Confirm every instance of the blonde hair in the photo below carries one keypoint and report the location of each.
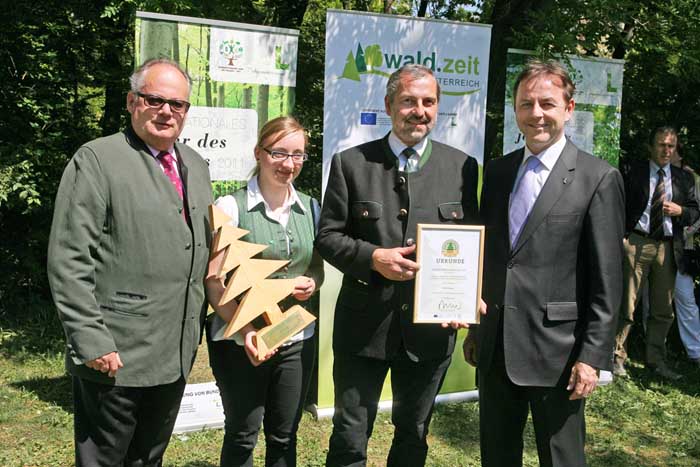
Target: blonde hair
(275, 130)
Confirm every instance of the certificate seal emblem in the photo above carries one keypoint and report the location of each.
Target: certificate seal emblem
(450, 248)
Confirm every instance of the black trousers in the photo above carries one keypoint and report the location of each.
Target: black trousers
(358, 384)
(271, 394)
(123, 426)
(560, 429)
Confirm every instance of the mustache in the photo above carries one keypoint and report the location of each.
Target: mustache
(417, 120)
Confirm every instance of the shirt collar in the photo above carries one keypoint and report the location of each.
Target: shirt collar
(397, 146)
(155, 152)
(654, 168)
(255, 196)
(549, 156)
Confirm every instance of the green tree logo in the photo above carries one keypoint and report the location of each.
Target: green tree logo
(450, 248)
(364, 61)
(231, 50)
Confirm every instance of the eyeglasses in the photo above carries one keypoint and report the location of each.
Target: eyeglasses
(281, 156)
(156, 102)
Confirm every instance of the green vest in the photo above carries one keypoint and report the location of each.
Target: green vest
(263, 230)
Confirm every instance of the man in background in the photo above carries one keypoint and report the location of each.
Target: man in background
(659, 202)
(126, 263)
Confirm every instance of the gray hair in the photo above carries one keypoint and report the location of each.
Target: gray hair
(662, 130)
(413, 72)
(138, 78)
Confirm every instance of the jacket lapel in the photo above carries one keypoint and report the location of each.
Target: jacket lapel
(182, 167)
(559, 180)
(675, 187)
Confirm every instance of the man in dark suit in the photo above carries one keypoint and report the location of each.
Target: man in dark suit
(552, 280)
(377, 193)
(660, 201)
(127, 257)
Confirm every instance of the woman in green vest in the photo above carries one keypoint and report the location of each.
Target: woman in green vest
(273, 392)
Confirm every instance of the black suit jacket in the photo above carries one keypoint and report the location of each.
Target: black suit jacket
(637, 197)
(558, 291)
(370, 204)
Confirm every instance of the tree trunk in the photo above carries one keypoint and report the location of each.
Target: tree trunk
(222, 95)
(207, 80)
(422, 8)
(263, 101)
(506, 16)
(247, 97)
(158, 40)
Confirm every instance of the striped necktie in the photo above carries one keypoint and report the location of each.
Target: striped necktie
(656, 216)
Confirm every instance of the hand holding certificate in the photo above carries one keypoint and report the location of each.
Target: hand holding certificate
(448, 283)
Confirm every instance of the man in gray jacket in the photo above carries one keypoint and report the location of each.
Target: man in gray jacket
(126, 263)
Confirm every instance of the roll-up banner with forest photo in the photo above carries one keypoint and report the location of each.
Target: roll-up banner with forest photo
(242, 76)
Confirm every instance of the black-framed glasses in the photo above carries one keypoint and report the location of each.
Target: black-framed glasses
(156, 102)
(281, 156)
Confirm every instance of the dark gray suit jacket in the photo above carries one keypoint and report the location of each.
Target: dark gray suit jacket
(558, 291)
(126, 271)
(362, 211)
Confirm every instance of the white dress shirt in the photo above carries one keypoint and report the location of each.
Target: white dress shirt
(643, 223)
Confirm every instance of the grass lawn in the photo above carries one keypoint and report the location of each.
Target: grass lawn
(640, 421)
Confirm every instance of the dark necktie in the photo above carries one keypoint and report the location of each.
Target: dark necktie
(656, 216)
(411, 159)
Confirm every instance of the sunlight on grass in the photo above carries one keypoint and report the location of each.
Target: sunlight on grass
(636, 422)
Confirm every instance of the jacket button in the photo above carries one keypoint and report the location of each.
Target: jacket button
(188, 246)
(365, 213)
(179, 210)
(404, 307)
(511, 264)
(403, 213)
(402, 180)
(410, 242)
(454, 215)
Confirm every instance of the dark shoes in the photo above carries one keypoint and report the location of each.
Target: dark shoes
(664, 372)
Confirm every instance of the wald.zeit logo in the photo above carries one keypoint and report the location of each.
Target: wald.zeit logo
(460, 73)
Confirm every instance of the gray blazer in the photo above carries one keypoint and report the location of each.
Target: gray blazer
(557, 292)
(370, 204)
(126, 271)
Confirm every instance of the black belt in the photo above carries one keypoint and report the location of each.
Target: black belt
(646, 235)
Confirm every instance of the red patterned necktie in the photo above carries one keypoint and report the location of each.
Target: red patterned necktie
(168, 163)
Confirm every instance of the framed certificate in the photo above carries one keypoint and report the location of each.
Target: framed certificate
(448, 283)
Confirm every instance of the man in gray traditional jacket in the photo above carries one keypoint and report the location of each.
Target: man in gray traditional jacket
(126, 263)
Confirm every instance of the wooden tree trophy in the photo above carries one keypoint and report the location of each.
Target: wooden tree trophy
(260, 295)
